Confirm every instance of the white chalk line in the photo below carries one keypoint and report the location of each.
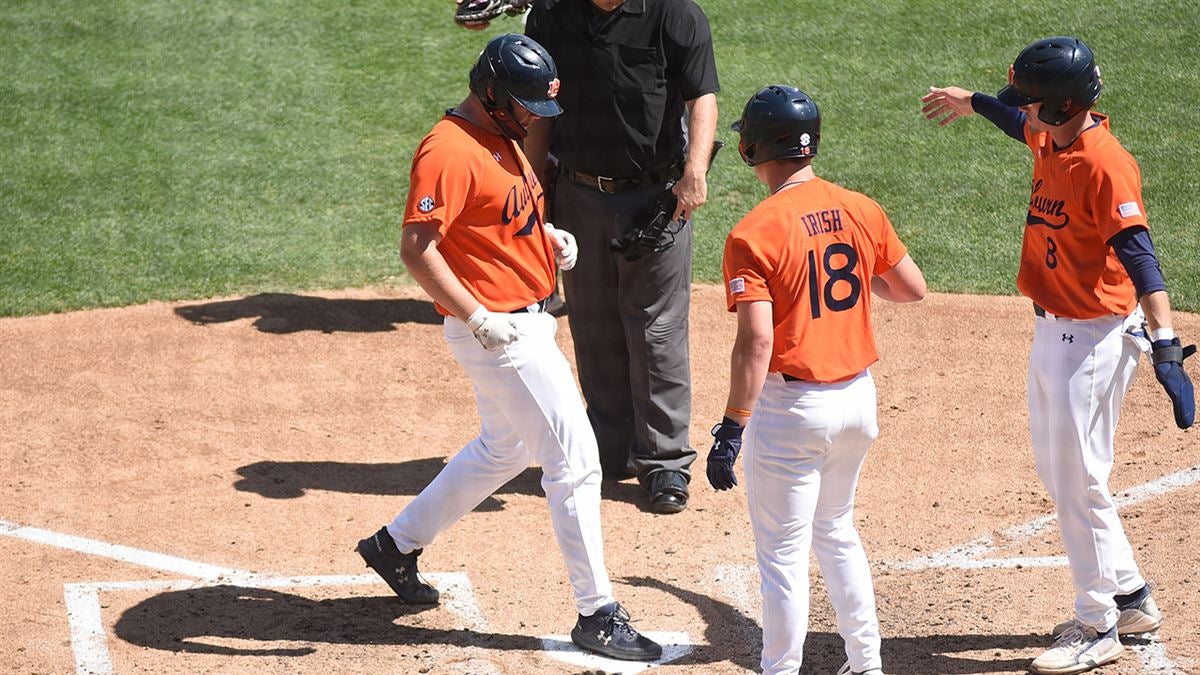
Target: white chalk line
(970, 554)
(737, 581)
(88, 637)
(89, 641)
(128, 554)
(1153, 656)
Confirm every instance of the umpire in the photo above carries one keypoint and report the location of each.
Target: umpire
(640, 112)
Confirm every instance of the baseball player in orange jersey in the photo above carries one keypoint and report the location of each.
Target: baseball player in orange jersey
(474, 240)
(1089, 266)
(800, 269)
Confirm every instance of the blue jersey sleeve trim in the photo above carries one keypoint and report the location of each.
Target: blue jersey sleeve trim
(1010, 120)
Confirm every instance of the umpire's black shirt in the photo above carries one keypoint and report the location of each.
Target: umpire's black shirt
(625, 76)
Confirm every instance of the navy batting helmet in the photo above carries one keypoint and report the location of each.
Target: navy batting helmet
(515, 70)
(1059, 72)
(778, 122)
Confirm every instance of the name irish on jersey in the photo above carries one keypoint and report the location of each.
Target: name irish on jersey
(815, 269)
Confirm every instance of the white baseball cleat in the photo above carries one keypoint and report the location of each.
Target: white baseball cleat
(1142, 616)
(845, 670)
(1079, 648)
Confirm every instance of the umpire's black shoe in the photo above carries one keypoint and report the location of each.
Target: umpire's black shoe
(608, 633)
(398, 569)
(668, 492)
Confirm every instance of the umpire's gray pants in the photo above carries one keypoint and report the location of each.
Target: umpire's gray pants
(629, 322)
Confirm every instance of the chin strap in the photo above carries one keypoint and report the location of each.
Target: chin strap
(504, 119)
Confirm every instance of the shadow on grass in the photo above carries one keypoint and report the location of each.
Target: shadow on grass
(282, 313)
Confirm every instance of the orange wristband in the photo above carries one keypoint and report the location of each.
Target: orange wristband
(739, 412)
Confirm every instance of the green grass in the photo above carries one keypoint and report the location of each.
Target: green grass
(166, 150)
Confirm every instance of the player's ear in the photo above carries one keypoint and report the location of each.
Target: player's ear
(1065, 106)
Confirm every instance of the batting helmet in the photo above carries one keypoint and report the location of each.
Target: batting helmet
(515, 70)
(778, 122)
(1059, 72)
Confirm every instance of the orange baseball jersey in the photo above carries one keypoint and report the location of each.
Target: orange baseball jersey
(811, 251)
(1082, 196)
(486, 200)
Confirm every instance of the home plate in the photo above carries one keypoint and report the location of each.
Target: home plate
(675, 646)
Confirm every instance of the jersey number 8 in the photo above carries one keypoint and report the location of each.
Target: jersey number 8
(844, 272)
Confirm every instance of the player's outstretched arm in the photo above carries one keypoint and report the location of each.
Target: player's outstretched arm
(903, 283)
(946, 104)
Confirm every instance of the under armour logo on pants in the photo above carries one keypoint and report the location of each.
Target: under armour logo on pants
(1068, 338)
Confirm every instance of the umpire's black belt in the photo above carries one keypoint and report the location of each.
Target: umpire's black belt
(609, 185)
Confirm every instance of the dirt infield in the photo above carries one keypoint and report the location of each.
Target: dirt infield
(184, 485)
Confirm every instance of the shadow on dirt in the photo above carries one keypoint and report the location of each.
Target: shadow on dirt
(240, 621)
(282, 313)
(291, 480)
(227, 620)
(737, 638)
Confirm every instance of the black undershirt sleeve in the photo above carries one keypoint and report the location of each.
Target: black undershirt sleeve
(1010, 120)
(1136, 252)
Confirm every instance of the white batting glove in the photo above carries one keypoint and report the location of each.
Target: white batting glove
(566, 251)
(492, 330)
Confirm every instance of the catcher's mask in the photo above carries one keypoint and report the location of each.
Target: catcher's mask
(1058, 72)
(778, 122)
(515, 70)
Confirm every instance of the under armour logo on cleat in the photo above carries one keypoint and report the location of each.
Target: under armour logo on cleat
(604, 638)
(1068, 338)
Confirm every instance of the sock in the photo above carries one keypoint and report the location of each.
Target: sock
(1132, 599)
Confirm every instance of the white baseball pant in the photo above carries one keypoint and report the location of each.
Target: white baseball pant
(1079, 372)
(530, 410)
(804, 447)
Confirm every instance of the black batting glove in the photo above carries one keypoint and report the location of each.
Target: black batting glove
(1168, 357)
(727, 443)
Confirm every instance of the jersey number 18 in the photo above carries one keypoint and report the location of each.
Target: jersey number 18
(844, 272)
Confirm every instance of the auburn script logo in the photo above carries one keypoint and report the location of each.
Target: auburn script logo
(1045, 210)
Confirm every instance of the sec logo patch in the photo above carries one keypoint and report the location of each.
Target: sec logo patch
(425, 205)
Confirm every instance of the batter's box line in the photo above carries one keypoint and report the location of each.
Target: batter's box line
(739, 583)
(971, 555)
(89, 641)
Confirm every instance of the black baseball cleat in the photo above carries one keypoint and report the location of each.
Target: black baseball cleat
(608, 633)
(398, 569)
